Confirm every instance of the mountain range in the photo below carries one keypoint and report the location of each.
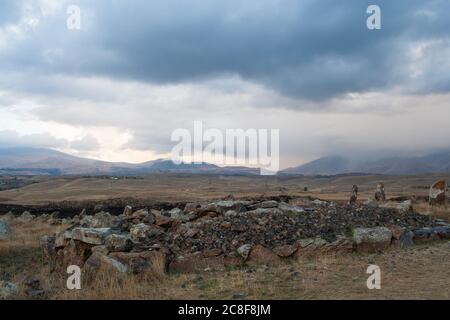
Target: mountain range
(438, 162)
(39, 161)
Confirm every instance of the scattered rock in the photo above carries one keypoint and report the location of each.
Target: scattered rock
(33, 288)
(406, 240)
(95, 236)
(5, 230)
(244, 250)
(371, 203)
(285, 251)
(98, 261)
(139, 232)
(404, 206)
(155, 261)
(262, 255)
(164, 221)
(372, 239)
(8, 290)
(117, 243)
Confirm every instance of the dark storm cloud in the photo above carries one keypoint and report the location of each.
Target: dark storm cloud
(307, 49)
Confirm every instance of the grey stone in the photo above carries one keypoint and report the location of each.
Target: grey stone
(8, 290)
(372, 239)
(98, 261)
(95, 236)
(117, 243)
(5, 230)
(139, 232)
(244, 250)
(407, 239)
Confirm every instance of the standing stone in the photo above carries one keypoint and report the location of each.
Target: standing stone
(380, 194)
(354, 196)
(437, 193)
(128, 211)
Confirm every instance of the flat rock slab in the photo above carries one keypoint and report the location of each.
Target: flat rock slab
(95, 236)
(372, 239)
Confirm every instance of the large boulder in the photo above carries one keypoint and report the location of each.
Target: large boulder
(179, 214)
(225, 205)
(8, 290)
(119, 243)
(316, 246)
(99, 261)
(262, 211)
(372, 239)
(285, 251)
(100, 220)
(165, 222)
(283, 206)
(141, 232)
(137, 262)
(5, 230)
(74, 253)
(94, 236)
(404, 206)
(262, 255)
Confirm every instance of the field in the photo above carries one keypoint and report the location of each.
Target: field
(420, 272)
(173, 187)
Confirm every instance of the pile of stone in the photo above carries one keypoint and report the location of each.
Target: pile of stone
(222, 233)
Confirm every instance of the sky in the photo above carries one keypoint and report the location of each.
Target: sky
(135, 71)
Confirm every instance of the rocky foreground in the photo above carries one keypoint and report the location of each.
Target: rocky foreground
(205, 235)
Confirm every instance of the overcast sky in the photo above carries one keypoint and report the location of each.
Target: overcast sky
(137, 70)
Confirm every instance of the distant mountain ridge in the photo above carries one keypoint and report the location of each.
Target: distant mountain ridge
(438, 162)
(37, 161)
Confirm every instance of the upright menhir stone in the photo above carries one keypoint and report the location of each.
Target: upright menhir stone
(380, 194)
(437, 193)
(354, 195)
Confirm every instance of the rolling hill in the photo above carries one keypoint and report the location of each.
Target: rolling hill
(35, 161)
(438, 162)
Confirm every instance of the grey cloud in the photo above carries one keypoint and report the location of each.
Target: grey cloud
(87, 143)
(10, 138)
(305, 49)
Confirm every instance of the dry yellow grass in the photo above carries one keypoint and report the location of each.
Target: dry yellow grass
(442, 212)
(173, 187)
(417, 273)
